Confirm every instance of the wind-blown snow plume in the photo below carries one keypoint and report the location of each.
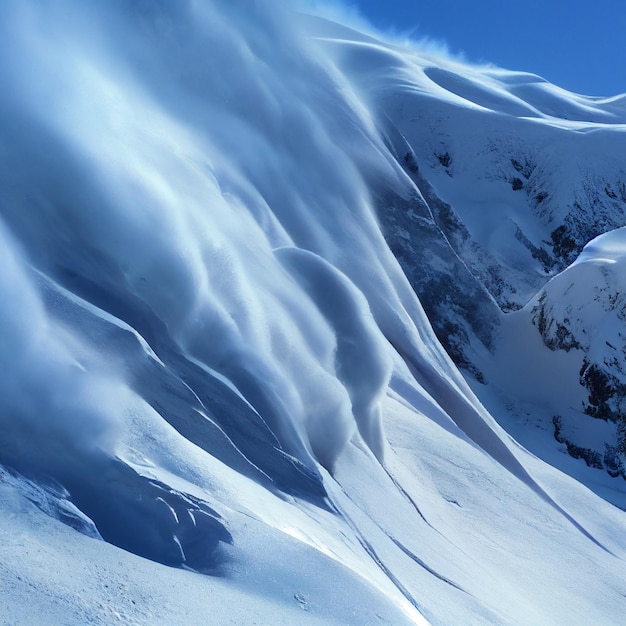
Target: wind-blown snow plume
(146, 149)
(208, 340)
(168, 163)
(57, 400)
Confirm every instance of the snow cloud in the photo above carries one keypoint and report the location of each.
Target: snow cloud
(350, 15)
(57, 403)
(162, 152)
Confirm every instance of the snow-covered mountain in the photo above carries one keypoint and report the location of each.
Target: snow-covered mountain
(510, 177)
(234, 240)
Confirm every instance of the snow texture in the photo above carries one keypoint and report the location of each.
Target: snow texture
(222, 399)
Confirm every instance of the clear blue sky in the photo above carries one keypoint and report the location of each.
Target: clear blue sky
(577, 44)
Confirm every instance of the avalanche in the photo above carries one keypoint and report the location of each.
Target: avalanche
(222, 400)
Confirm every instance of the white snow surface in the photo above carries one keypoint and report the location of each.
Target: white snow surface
(221, 400)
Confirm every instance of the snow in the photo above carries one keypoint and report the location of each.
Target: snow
(222, 401)
(542, 383)
(607, 248)
(93, 582)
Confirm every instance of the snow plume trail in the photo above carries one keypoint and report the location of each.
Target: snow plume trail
(362, 363)
(57, 401)
(161, 152)
(180, 144)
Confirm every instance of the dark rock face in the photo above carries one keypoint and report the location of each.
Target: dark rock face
(571, 323)
(428, 239)
(605, 391)
(591, 457)
(457, 305)
(555, 334)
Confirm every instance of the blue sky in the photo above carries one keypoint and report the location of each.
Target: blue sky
(577, 44)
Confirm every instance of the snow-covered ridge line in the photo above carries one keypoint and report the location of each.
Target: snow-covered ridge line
(518, 94)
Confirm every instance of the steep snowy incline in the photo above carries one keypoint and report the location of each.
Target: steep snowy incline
(514, 177)
(222, 400)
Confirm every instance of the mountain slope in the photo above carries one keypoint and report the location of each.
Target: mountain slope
(223, 399)
(510, 177)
